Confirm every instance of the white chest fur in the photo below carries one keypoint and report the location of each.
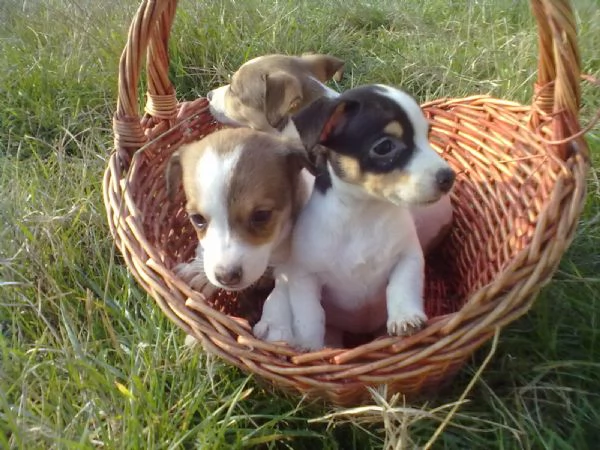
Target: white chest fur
(351, 246)
(355, 265)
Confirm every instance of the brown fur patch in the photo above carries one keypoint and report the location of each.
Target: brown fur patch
(263, 180)
(395, 129)
(325, 67)
(384, 184)
(190, 155)
(283, 92)
(379, 184)
(350, 169)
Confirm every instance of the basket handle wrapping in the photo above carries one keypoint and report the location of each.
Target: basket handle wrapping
(148, 33)
(557, 89)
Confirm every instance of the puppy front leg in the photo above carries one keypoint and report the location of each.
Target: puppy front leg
(307, 313)
(193, 274)
(406, 314)
(275, 324)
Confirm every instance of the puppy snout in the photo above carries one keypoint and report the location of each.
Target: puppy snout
(445, 179)
(229, 276)
(209, 95)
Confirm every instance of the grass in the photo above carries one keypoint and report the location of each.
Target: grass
(87, 360)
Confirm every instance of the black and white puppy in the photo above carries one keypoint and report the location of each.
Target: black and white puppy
(356, 263)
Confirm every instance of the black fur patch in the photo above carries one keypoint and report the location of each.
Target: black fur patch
(358, 132)
(370, 112)
(323, 180)
(319, 159)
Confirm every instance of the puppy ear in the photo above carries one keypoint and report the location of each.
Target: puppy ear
(324, 119)
(298, 157)
(283, 94)
(325, 67)
(173, 175)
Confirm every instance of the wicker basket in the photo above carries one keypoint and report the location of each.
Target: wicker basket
(520, 190)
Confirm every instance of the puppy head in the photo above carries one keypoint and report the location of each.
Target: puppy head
(240, 189)
(266, 90)
(375, 137)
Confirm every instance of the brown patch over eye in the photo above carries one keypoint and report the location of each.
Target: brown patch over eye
(256, 226)
(260, 218)
(395, 129)
(261, 190)
(378, 184)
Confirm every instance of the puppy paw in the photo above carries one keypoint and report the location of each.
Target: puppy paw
(406, 324)
(310, 331)
(310, 343)
(190, 341)
(308, 346)
(193, 275)
(270, 332)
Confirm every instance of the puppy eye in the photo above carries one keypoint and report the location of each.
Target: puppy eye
(199, 221)
(260, 217)
(383, 147)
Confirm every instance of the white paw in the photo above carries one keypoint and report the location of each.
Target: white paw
(310, 331)
(270, 332)
(406, 324)
(310, 345)
(310, 341)
(193, 274)
(190, 341)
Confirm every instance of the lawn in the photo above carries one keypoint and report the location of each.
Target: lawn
(87, 360)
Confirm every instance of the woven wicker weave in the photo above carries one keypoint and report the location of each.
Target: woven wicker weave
(520, 190)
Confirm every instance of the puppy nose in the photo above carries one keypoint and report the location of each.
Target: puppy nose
(445, 179)
(228, 276)
(209, 95)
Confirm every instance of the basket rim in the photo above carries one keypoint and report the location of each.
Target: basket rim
(446, 323)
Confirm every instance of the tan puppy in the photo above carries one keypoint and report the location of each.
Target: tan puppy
(265, 90)
(243, 192)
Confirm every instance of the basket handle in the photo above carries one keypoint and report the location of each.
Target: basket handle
(557, 89)
(148, 33)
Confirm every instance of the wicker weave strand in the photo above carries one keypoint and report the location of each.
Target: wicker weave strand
(162, 106)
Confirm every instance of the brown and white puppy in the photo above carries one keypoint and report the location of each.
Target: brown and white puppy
(243, 192)
(265, 90)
